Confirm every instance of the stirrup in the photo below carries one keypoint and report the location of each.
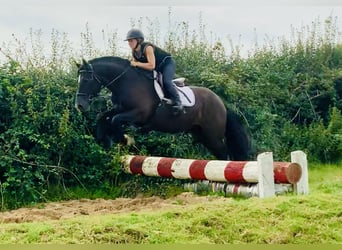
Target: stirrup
(177, 109)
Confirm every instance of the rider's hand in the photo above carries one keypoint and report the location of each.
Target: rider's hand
(134, 63)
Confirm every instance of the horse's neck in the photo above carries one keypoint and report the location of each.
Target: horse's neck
(139, 84)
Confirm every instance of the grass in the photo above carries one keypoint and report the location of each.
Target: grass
(314, 218)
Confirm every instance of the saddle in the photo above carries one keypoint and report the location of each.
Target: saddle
(187, 96)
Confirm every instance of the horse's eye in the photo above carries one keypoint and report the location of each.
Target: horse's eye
(86, 77)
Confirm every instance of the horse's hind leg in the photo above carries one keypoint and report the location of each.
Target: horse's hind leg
(216, 145)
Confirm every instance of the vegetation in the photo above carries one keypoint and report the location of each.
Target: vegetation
(289, 95)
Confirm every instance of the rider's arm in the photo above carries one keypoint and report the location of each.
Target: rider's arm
(151, 60)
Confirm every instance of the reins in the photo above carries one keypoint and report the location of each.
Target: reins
(97, 78)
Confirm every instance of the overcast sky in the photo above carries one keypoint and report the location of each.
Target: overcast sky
(243, 21)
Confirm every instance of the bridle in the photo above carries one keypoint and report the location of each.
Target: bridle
(98, 79)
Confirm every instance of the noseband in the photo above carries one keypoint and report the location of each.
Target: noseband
(98, 79)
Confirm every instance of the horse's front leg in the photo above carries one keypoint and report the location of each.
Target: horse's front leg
(103, 129)
(119, 121)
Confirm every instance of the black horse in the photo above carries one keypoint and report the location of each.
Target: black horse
(137, 103)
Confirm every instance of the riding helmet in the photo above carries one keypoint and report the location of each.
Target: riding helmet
(135, 34)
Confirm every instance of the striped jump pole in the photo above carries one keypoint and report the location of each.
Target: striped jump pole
(264, 171)
(213, 170)
(249, 190)
(231, 189)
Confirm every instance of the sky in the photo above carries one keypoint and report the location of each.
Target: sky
(244, 22)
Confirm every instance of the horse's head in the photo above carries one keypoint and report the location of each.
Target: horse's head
(88, 86)
(109, 71)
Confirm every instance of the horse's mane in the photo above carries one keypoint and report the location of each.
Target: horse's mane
(110, 59)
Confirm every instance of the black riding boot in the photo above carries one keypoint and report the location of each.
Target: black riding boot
(168, 71)
(176, 102)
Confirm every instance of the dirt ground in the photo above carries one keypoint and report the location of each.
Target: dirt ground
(69, 209)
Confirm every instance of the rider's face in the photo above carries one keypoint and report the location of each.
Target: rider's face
(132, 43)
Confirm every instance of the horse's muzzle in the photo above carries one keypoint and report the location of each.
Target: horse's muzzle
(82, 103)
(79, 108)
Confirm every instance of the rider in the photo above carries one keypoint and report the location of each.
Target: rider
(150, 57)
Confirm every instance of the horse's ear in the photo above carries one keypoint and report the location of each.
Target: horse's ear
(84, 61)
(78, 65)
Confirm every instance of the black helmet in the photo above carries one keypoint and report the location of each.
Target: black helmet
(135, 34)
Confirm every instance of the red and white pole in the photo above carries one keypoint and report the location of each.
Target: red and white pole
(213, 170)
(236, 177)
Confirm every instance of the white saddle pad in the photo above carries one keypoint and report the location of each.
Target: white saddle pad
(186, 94)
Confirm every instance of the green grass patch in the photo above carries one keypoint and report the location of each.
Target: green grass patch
(315, 218)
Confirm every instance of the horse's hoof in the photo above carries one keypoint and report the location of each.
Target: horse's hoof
(129, 140)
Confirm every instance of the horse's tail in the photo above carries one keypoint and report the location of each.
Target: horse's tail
(237, 137)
